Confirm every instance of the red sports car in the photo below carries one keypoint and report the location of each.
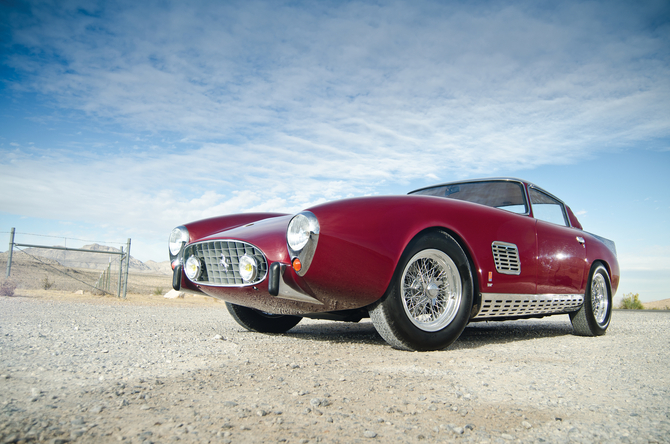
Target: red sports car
(421, 266)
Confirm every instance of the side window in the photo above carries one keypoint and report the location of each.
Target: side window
(547, 208)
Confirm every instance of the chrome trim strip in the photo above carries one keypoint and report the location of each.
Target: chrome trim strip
(286, 292)
(497, 305)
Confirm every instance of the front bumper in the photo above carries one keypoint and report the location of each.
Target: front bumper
(278, 287)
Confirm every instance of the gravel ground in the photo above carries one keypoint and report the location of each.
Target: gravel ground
(102, 370)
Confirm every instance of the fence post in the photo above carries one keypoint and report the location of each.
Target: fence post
(11, 250)
(118, 287)
(125, 284)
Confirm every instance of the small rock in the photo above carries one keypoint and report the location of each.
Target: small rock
(174, 294)
(526, 424)
(369, 434)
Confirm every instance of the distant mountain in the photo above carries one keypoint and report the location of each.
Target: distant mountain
(96, 261)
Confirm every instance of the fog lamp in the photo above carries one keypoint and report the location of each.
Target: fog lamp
(192, 268)
(248, 268)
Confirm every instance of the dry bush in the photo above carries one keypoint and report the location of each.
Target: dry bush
(7, 288)
(46, 283)
(631, 302)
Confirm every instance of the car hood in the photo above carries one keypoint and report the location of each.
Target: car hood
(267, 234)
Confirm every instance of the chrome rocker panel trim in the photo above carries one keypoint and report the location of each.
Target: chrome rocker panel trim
(496, 305)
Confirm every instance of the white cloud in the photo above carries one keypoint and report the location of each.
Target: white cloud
(252, 106)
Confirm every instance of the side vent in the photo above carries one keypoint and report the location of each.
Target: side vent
(506, 257)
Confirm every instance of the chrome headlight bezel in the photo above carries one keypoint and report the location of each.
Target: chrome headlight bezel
(302, 236)
(178, 238)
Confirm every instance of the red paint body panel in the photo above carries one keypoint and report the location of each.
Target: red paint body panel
(205, 227)
(561, 266)
(362, 239)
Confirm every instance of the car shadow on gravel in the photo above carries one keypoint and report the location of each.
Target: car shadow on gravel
(476, 334)
(479, 334)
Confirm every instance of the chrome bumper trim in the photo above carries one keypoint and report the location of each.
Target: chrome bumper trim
(286, 292)
(496, 305)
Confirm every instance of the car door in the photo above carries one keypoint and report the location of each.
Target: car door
(561, 254)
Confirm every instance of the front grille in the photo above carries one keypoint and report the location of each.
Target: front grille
(510, 305)
(506, 257)
(220, 261)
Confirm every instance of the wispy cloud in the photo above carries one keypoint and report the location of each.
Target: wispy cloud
(236, 106)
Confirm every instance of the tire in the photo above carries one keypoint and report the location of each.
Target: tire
(420, 311)
(595, 315)
(255, 320)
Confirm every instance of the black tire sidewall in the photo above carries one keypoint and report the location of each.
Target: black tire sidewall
(406, 331)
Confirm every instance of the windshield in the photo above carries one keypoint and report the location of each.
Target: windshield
(498, 194)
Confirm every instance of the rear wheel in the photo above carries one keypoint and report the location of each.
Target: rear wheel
(428, 303)
(255, 320)
(594, 316)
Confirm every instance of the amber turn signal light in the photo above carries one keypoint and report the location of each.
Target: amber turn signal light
(297, 265)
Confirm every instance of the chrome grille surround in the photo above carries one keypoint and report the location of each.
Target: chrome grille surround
(212, 255)
(510, 305)
(506, 258)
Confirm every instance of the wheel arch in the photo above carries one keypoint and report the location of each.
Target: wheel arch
(594, 264)
(474, 267)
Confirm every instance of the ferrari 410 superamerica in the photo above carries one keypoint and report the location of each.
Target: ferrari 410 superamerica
(421, 266)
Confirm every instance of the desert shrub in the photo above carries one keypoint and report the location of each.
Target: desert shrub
(631, 302)
(46, 284)
(7, 288)
(158, 291)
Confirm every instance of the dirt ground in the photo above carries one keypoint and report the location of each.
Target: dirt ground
(86, 368)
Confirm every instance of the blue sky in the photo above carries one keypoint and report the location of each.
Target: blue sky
(124, 119)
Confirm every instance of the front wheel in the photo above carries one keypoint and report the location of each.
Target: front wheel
(594, 316)
(255, 320)
(428, 303)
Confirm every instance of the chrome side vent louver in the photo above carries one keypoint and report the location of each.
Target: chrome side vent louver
(506, 257)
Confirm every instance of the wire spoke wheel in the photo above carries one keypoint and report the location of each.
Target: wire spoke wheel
(594, 316)
(431, 290)
(429, 300)
(599, 298)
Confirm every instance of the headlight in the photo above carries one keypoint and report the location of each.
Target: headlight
(302, 235)
(301, 227)
(192, 268)
(178, 237)
(248, 268)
